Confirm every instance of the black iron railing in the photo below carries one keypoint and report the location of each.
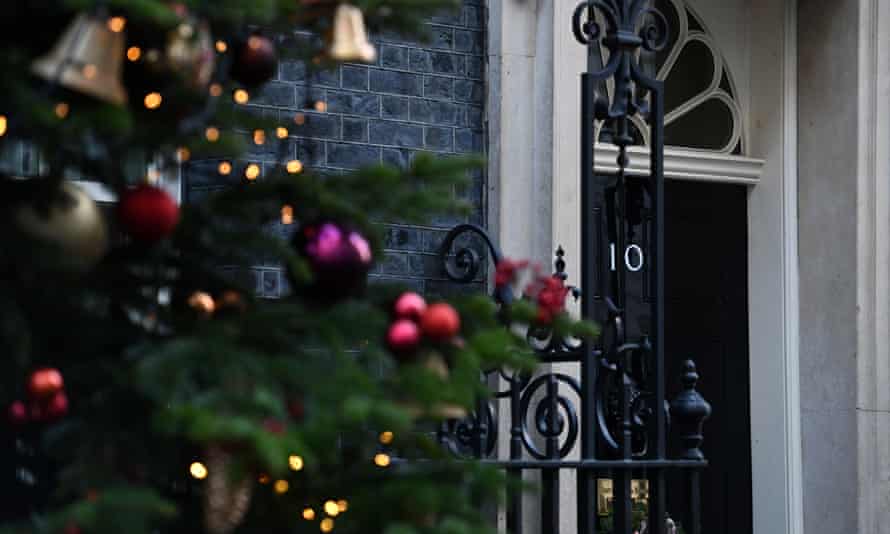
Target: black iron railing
(608, 419)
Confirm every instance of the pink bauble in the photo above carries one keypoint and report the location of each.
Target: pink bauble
(410, 306)
(44, 383)
(57, 407)
(403, 337)
(18, 413)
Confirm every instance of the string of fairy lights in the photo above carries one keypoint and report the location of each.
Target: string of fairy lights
(154, 100)
(330, 508)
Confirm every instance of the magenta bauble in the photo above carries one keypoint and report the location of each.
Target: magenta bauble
(340, 259)
(403, 337)
(410, 305)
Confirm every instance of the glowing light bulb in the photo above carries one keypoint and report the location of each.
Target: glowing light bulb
(320, 106)
(89, 71)
(241, 96)
(327, 524)
(382, 460)
(294, 461)
(225, 168)
(62, 110)
(294, 166)
(308, 514)
(198, 470)
(212, 134)
(215, 89)
(252, 172)
(259, 137)
(386, 437)
(186, 31)
(153, 100)
(281, 487)
(281, 132)
(255, 43)
(134, 53)
(202, 302)
(331, 508)
(117, 24)
(342, 505)
(221, 46)
(300, 119)
(264, 479)
(183, 154)
(4, 123)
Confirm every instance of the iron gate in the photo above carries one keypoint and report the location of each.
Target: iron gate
(608, 420)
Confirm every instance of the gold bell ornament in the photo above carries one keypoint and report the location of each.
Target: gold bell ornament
(87, 58)
(73, 225)
(349, 39)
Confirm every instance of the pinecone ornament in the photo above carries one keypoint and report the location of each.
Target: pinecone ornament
(226, 502)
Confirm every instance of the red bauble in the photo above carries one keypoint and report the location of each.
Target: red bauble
(440, 322)
(255, 61)
(44, 383)
(403, 337)
(148, 213)
(274, 426)
(410, 306)
(57, 407)
(18, 413)
(296, 409)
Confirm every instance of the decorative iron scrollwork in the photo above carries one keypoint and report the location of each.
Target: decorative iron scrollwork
(641, 400)
(547, 424)
(460, 436)
(464, 264)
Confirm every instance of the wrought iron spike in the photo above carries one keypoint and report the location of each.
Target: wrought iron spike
(560, 264)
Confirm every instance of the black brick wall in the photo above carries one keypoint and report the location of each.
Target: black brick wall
(415, 97)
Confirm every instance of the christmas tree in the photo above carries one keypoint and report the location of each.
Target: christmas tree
(148, 389)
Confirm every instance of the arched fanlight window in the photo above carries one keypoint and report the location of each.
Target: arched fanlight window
(701, 107)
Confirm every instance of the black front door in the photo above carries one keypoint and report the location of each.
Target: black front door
(706, 319)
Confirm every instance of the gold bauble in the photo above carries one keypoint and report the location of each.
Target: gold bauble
(70, 222)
